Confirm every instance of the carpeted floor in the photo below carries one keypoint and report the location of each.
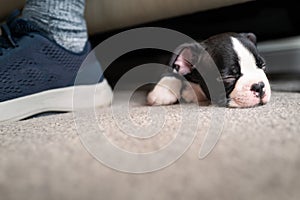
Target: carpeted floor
(257, 157)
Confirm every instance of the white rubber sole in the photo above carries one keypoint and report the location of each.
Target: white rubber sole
(56, 100)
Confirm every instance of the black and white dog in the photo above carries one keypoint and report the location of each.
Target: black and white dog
(241, 69)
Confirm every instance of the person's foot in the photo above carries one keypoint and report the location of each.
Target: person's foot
(37, 75)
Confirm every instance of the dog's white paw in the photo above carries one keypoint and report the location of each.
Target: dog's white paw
(166, 92)
(161, 95)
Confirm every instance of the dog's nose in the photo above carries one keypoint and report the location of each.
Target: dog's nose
(258, 88)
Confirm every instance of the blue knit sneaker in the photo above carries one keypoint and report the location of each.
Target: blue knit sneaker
(37, 75)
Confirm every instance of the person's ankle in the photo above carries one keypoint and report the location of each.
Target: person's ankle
(69, 36)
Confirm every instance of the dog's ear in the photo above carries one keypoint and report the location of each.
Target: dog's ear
(250, 36)
(185, 57)
(194, 62)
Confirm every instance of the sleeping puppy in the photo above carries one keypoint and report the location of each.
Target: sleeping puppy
(239, 67)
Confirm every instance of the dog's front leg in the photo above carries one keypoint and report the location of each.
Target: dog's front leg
(166, 91)
(192, 93)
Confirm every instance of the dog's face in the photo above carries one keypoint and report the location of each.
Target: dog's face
(241, 67)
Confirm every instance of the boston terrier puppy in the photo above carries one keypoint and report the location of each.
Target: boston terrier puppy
(240, 68)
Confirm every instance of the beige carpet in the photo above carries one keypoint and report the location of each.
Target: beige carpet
(257, 157)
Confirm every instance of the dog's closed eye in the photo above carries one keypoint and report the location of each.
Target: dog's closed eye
(261, 65)
(227, 79)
